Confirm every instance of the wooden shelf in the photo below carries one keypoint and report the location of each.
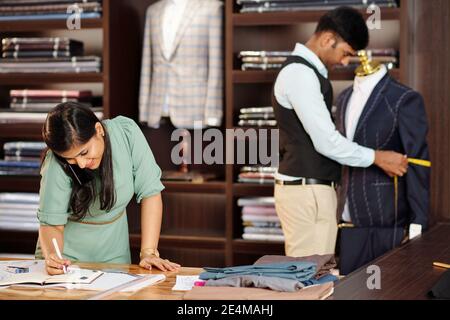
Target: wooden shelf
(269, 76)
(26, 131)
(17, 241)
(39, 78)
(183, 241)
(19, 183)
(296, 17)
(258, 247)
(39, 25)
(252, 190)
(205, 187)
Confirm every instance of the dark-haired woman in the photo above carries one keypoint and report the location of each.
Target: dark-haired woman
(88, 176)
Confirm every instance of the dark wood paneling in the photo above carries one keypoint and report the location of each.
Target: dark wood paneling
(194, 214)
(430, 76)
(287, 18)
(18, 241)
(194, 256)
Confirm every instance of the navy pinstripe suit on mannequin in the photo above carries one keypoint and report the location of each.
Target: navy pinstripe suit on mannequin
(392, 119)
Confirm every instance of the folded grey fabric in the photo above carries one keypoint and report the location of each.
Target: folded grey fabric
(296, 270)
(324, 263)
(273, 283)
(318, 292)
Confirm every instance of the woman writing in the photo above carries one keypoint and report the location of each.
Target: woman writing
(88, 176)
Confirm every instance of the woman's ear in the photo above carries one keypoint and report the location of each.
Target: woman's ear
(99, 129)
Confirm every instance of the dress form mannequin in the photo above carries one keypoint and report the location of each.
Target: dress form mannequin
(368, 74)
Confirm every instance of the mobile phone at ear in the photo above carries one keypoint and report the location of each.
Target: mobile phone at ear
(80, 176)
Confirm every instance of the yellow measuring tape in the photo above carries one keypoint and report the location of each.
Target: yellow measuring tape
(418, 162)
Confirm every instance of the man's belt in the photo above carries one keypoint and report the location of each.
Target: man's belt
(305, 181)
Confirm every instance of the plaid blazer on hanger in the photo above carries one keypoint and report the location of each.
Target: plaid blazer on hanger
(192, 77)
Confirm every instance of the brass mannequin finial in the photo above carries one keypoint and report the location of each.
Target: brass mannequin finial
(367, 66)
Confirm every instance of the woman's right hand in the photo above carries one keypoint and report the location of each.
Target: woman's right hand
(55, 265)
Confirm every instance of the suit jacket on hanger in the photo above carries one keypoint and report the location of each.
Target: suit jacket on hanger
(192, 77)
(393, 119)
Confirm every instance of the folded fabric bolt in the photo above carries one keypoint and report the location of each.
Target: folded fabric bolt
(324, 262)
(252, 281)
(296, 270)
(323, 279)
(319, 292)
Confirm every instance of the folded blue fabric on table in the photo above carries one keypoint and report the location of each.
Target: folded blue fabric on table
(297, 270)
(321, 280)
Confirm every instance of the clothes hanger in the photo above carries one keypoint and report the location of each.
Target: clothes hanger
(367, 67)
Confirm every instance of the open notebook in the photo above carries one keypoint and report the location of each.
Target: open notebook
(38, 275)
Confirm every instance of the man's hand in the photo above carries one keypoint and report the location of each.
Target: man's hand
(393, 163)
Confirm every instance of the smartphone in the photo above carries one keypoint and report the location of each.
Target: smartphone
(81, 176)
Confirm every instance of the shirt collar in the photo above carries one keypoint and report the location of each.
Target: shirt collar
(180, 3)
(304, 52)
(368, 83)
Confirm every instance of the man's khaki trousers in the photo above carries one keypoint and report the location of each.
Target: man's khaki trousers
(308, 218)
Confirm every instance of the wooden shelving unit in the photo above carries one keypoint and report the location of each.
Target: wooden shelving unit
(40, 78)
(284, 18)
(116, 85)
(42, 25)
(252, 76)
(252, 88)
(202, 223)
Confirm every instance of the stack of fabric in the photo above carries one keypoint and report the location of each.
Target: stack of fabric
(260, 219)
(266, 60)
(41, 48)
(45, 100)
(18, 211)
(263, 60)
(270, 277)
(303, 5)
(19, 168)
(257, 174)
(33, 105)
(46, 55)
(21, 158)
(259, 117)
(23, 10)
(23, 151)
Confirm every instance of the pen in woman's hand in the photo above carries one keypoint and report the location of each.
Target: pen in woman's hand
(55, 244)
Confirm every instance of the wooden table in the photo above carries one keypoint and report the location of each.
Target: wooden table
(407, 273)
(160, 291)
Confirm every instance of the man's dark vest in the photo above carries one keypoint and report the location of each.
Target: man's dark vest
(297, 154)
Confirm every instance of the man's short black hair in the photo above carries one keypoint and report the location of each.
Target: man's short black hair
(349, 24)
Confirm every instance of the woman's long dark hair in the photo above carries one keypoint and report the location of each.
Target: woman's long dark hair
(70, 124)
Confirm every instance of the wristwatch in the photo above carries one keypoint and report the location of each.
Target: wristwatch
(148, 252)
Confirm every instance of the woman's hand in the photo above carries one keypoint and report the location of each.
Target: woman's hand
(55, 265)
(161, 264)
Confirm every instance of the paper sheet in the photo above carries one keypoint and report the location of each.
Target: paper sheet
(185, 283)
